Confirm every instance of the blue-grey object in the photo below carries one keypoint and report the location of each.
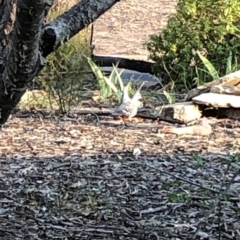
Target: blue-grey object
(136, 77)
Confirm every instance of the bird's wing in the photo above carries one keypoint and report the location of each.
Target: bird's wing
(124, 109)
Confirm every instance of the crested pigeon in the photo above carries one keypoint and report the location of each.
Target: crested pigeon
(128, 107)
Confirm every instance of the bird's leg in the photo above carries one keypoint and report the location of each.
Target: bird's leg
(133, 119)
(118, 118)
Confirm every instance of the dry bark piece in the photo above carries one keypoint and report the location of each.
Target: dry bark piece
(217, 100)
(233, 90)
(202, 128)
(184, 112)
(232, 79)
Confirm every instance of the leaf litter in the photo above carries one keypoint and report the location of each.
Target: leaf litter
(68, 178)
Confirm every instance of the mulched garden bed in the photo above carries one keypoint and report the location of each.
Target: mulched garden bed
(73, 178)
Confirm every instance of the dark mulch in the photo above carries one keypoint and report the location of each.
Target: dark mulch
(73, 178)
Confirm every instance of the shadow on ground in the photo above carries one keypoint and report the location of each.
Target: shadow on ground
(64, 179)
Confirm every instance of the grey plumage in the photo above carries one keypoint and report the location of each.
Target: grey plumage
(128, 107)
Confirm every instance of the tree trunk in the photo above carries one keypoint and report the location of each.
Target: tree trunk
(21, 54)
(24, 44)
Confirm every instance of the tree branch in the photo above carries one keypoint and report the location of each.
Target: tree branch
(71, 22)
(22, 60)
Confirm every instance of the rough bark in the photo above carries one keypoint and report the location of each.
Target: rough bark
(72, 21)
(22, 58)
(7, 18)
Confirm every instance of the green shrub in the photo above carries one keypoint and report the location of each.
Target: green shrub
(207, 26)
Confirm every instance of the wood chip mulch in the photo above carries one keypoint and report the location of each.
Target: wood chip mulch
(73, 178)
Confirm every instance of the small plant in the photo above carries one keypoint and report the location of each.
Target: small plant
(62, 77)
(178, 197)
(170, 96)
(198, 161)
(35, 99)
(112, 85)
(66, 69)
(212, 71)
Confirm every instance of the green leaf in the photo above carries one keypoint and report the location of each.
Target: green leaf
(119, 76)
(106, 92)
(113, 76)
(110, 84)
(211, 70)
(100, 77)
(105, 89)
(170, 97)
(238, 210)
(229, 63)
(173, 197)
